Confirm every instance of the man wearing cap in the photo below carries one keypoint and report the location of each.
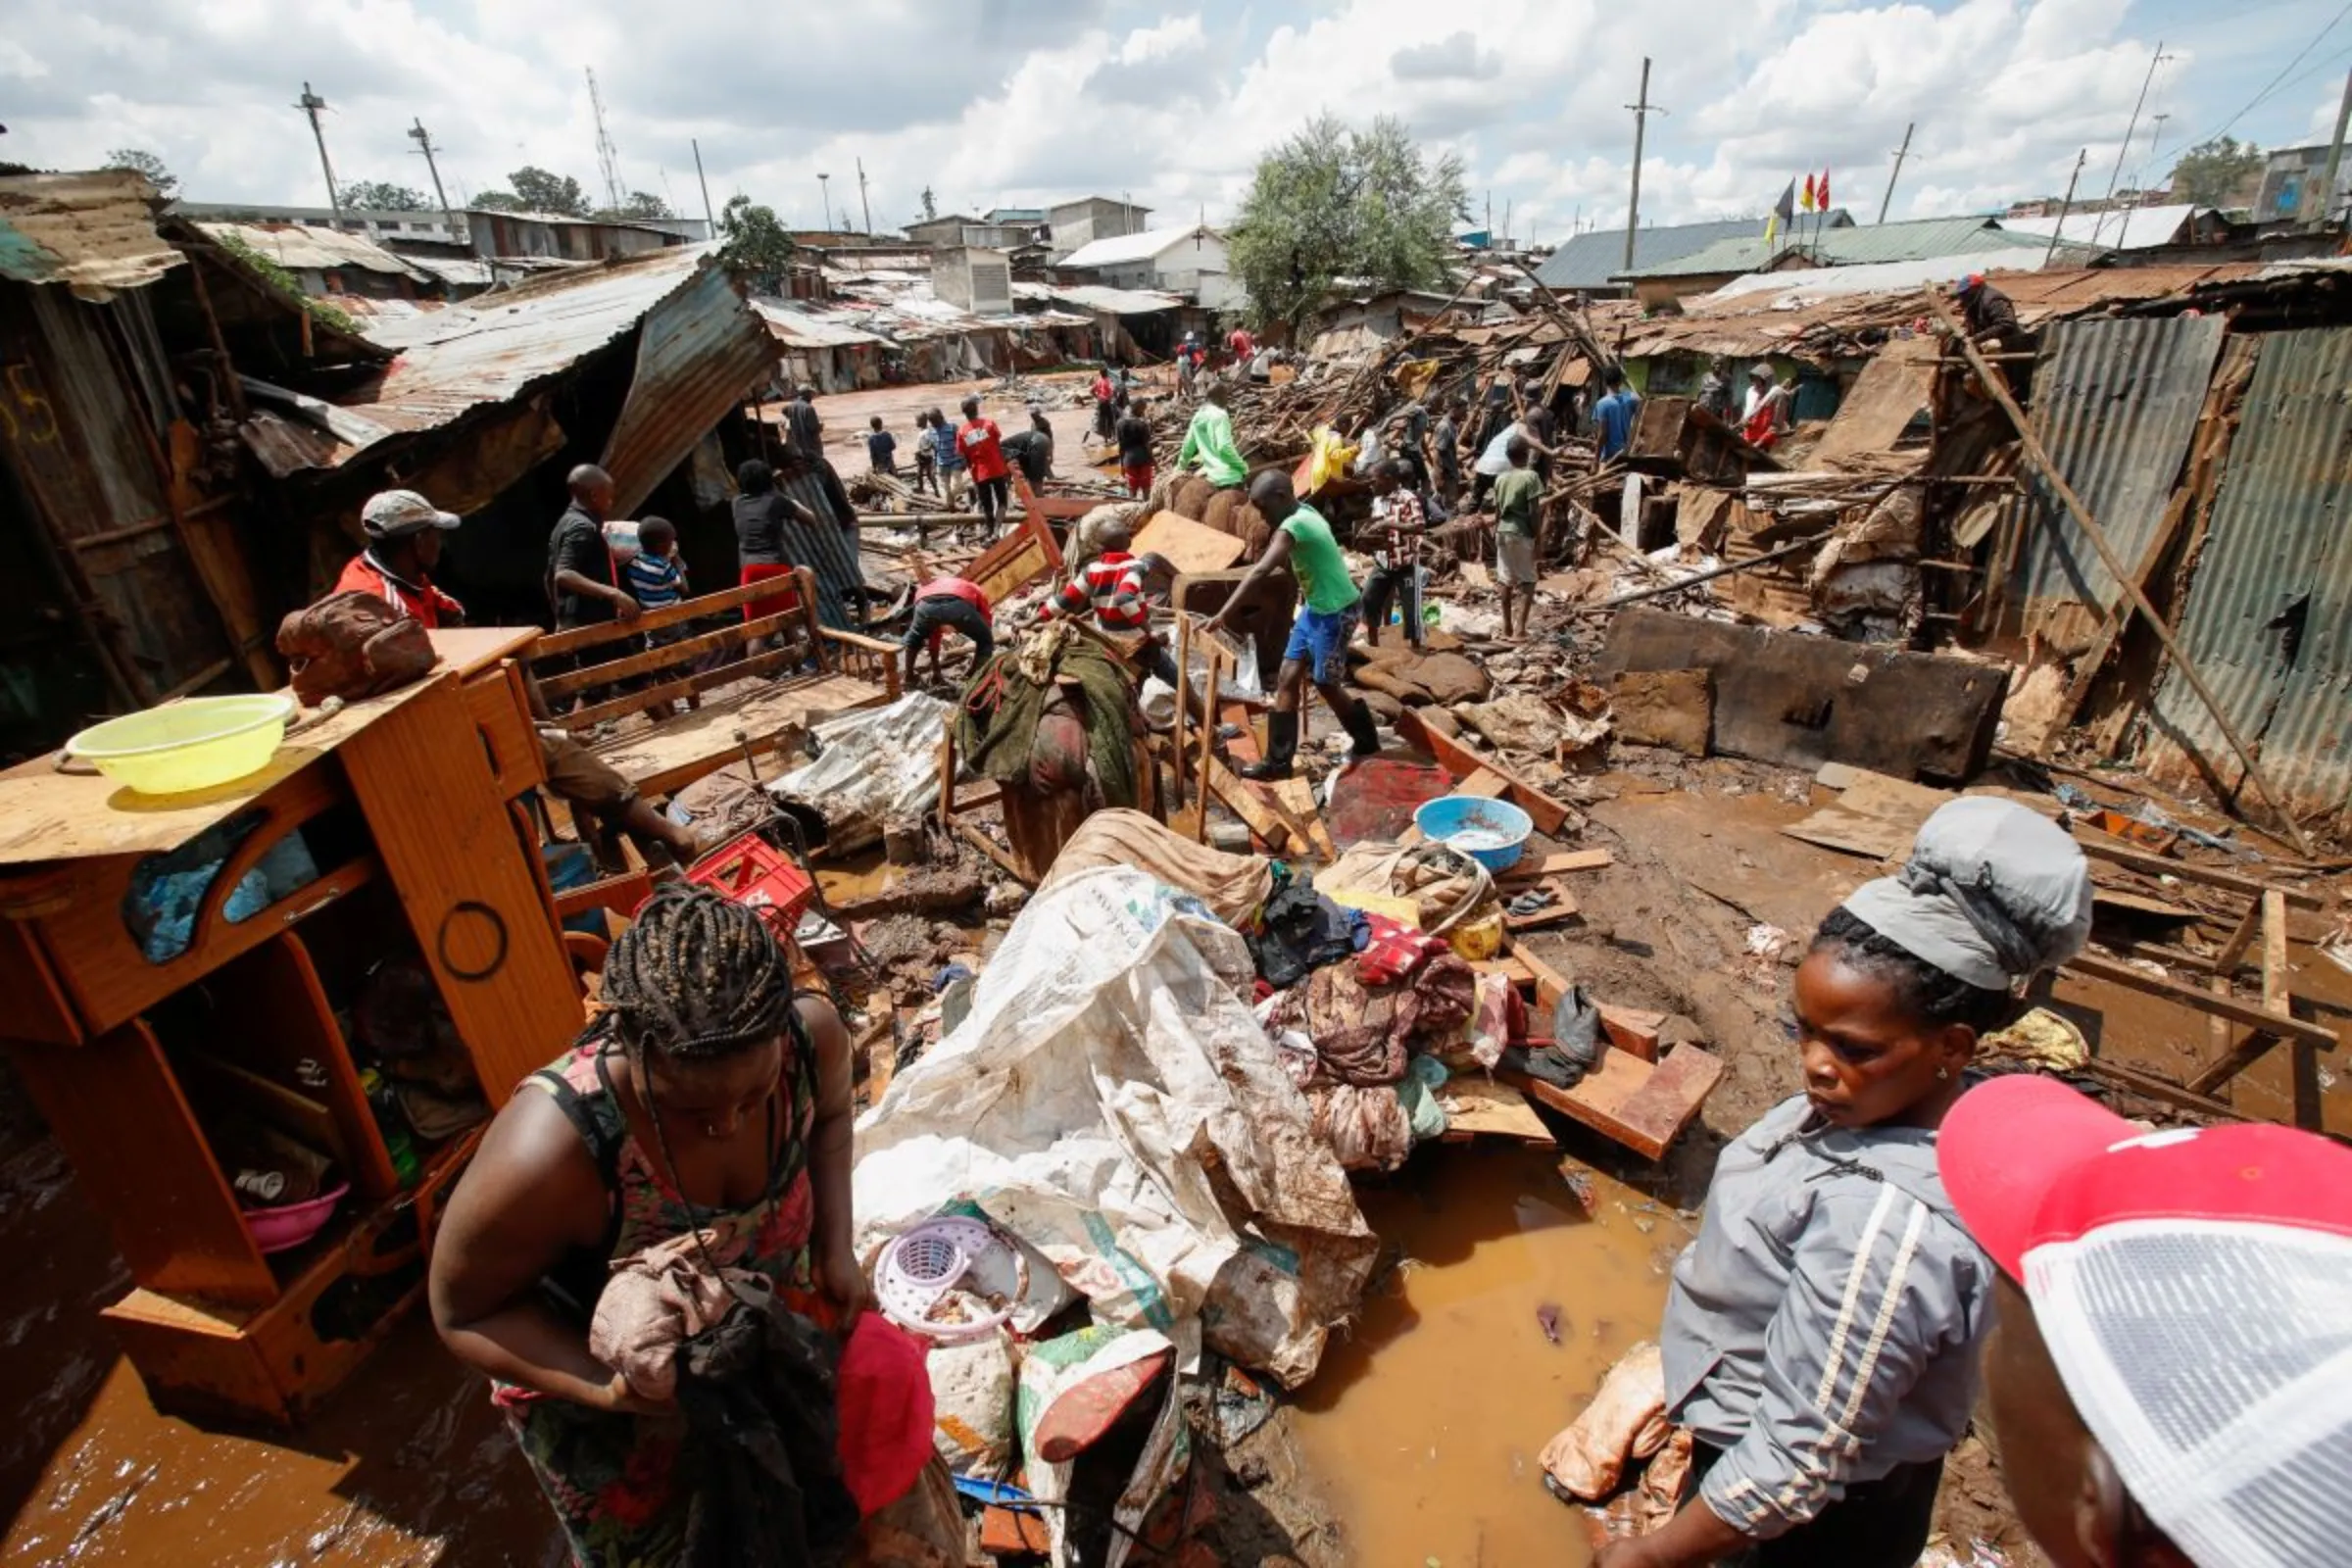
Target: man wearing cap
(2171, 1373)
(1822, 1331)
(1993, 325)
(404, 545)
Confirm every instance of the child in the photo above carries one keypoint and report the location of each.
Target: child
(1135, 447)
(926, 457)
(1518, 500)
(656, 578)
(1397, 512)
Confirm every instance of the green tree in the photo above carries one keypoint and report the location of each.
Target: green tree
(754, 244)
(542, 192)
(637, 204)
(1336, 202)
(497, 201)
(383, 196)
(139, 160)
(2213, 174)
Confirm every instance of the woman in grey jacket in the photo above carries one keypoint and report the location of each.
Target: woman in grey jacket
(1821, 1334)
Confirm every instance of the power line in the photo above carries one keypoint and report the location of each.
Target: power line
(2257, 100)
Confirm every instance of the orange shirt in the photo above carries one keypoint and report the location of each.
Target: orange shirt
(420, 601)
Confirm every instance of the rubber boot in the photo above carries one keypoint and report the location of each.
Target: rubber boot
(1281, 745)
(1363, 731)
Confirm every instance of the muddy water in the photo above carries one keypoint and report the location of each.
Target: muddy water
(1425, 1424)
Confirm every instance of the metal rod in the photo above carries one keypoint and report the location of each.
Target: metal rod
(2067, 206)
(1663, 589)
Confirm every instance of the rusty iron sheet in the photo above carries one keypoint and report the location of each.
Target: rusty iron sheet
(701, 351)
(2118, 404)
(2268, 617)
(93, 232)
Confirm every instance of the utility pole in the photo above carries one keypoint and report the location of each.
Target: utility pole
(608, 157)
(424, 145)
(1900, 153)
(2130, 131)
(2067, 206)
(2320, 208)
(825, 192)
(310, 102)
(2139, 180)
(709, 219)
(1642, 110)
(862, 207)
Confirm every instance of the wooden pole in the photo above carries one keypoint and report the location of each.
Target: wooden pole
(1997, 388)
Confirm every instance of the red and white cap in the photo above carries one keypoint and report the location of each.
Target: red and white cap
(2194, 1288)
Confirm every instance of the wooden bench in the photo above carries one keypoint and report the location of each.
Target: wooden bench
(853, 671)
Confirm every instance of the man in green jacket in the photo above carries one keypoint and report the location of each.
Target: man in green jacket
(1208, 443)
(1319, 637)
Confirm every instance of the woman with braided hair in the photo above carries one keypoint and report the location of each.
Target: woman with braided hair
(706, 1097)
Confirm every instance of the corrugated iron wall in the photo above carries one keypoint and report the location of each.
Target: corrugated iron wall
(2118, 403)
(2268, 618)
(700, 352)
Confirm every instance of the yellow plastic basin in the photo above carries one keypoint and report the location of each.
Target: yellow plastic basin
(191, 744)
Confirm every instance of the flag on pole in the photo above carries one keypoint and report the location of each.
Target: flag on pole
(1808, 201)
(1822, 199)
(1784, 211)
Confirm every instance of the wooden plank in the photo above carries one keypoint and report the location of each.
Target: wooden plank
(2091, 966)
(1560, 862)
(1549, 815)
(2278, 1000)
(1561, 909)
(1550, 984)
(1510, 966)
(287, 1018)
(1476, 1106)
(683, 652)
(143, 1163)
(307, 1120)
(2161, 1089)
(1634, 1030)
(756, 667)
(971, 834)
(1024, 555)
(1297, 796)
(572, 641)
(1189, 546)
(2104, 847)
(1258, 810)
(472, 650)
(470, 894)
(1633, 1103)
(673, 754)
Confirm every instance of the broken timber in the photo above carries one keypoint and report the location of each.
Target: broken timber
(1549, 815)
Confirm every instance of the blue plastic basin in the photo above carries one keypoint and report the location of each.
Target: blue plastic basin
(1495, 831)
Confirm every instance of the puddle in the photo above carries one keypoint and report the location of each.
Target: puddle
(1425, 1425)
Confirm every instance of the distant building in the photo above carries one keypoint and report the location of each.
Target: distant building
(974, 278)
(380, 226)
(326, 262)
(2130, 228)
(1922, 240)
(1589, 264)
(1177, 261)
(957, 229)
(1079, 223)
(2292, 172)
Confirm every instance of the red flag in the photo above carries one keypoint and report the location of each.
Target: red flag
(1808, 201)
(1823, 197)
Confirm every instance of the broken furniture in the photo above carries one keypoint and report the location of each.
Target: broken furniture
(403, 813)
(853, 671)
(1051, 508)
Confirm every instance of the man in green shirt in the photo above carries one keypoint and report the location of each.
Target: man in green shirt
(1319, 636)
(1518, 498)
(1208, 443)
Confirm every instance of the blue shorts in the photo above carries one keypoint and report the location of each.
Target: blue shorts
(1320, 639)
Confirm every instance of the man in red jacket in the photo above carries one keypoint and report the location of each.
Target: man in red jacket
(404, 545)
(982, 446)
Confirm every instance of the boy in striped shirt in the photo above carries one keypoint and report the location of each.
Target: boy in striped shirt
(655, 577)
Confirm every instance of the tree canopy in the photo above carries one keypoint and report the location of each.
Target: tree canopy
(535, 190)
(757, 245)
(637, 204)
(139, 160)
(1336, 202)
(2212, 172)
(383, 196)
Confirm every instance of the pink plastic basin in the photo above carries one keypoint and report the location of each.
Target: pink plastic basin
(289, 1225)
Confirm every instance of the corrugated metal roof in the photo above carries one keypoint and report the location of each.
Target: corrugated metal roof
(1117, 301)
(393, 323)
(1920, 240)
(806, 329)
(493, 348)
(467, 272)
(2118, 403)
(1591, 261)
(299, 248)
(1788, 290)
(1125, 248)
(2268, 618)
(2138, 229)
(700, 353)
(92, 232)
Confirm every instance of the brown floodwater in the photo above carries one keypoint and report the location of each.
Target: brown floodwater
(1425, 1424)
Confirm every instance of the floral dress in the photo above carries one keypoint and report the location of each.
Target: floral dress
(613, 1478)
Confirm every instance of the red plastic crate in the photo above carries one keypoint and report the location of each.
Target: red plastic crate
(754, 872)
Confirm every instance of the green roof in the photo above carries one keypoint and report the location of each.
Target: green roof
(1922, 240)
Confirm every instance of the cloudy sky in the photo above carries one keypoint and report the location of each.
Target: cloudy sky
(1014, 102)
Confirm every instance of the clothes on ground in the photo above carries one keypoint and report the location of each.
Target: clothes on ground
(1303, 931)
(983, 447)
(623, 1485)
(1316, 560)
(1234, 886)
(655, 581)
(1625, 1422)
(1613, 419)
(1366, 1128)
(804, 432)
(1395, 951)
(1445, 885)
(1518, 498)
(1319, 639)
(1366, 1034)
(938, 614)
(1110, 588)
(1208, 446)
(578, 545)
(1823, 1330)
(997, 727)
(882, 450)
(419, 601)
(1032, 451)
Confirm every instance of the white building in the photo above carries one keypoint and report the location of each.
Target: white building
(1079, 223)
(1176, 260)
(974, 278)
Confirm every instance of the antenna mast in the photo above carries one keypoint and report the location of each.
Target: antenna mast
(608, 157)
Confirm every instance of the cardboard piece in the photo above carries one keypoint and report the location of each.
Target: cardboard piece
(1191, 546)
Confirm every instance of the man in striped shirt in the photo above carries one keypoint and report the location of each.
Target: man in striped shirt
(1112, 588)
